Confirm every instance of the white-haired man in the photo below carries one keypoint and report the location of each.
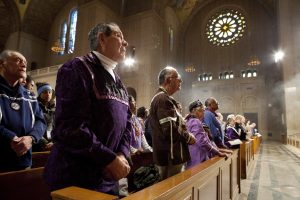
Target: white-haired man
(21, 119)
(170, 138)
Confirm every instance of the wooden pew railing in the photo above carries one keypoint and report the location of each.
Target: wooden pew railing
(247, 157)
(39, 159)
(294, 140)
(248, 150)
(216, 178)
(24, 184)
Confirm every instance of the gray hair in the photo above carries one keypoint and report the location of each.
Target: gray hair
(7, 53)
(164, 74)
(230, 117)
(93, 35)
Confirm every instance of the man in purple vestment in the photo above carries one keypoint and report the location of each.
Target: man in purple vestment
(92, 125)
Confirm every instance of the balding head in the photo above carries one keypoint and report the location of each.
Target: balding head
(170, 80)
(12, 66)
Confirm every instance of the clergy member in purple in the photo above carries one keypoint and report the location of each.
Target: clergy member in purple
(204, 149)
(92, 125)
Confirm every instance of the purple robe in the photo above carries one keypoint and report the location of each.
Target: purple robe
(203, 149)
(230, 134)
(92, 125)
(136, 138)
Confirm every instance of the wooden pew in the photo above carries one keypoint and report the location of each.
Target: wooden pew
(247, 157)
(24, 184)
(39, 159)
(80, 193)
(294, 140)
(216, 178)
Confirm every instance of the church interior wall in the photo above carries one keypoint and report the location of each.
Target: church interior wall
(289, 32)
(147, 29)
(33, 48)
(143, 31)
(258, 39)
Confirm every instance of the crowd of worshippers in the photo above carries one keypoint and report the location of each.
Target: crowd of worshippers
(92, 126)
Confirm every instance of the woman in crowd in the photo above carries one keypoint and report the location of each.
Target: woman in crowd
(204, 148)
(138, 143)
(240, 126)
(230, 131)
(46, 103)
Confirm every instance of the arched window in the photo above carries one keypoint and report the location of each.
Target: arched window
(249, 73)
(72, 30)
(205, 77)
(226, 75)
(221, 75)
(63, 36)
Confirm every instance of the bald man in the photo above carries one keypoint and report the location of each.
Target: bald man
(170, 138)
(21, 119)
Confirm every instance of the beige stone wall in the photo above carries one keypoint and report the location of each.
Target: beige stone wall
(144, 31)
(148, 32)
(30, 46)
(255, 95)
(289, 32)
(236, 96)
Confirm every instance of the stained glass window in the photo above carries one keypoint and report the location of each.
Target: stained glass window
(63, 36)
(225, 28)
(72, 34)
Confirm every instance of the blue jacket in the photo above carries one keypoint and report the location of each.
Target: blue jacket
(20, 115)
(214, 126)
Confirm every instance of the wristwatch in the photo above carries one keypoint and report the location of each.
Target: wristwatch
(33, 139)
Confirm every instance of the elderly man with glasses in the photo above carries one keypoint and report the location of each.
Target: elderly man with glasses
(170, 138)
(92, 122)
(21, 119)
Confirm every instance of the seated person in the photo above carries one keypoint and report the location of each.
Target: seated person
(46, 103)
(138, 142)
(204, 148)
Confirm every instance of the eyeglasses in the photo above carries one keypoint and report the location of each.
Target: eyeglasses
(18, 60)
(201, 108)
(176, 77)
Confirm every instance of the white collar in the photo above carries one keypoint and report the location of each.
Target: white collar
(108, 64)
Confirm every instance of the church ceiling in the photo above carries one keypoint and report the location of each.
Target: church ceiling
(39, 14)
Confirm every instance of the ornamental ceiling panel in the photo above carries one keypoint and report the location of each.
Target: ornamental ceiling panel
(40, 15)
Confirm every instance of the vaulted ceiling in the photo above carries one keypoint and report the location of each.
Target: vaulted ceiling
(40, 14)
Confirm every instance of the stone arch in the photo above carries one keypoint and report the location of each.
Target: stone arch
(9, 20)
(249, 102)
(227, 102)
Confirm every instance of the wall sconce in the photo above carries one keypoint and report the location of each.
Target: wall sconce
(254, 61)
(129, 60)
(190, 69)
(278, 56)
